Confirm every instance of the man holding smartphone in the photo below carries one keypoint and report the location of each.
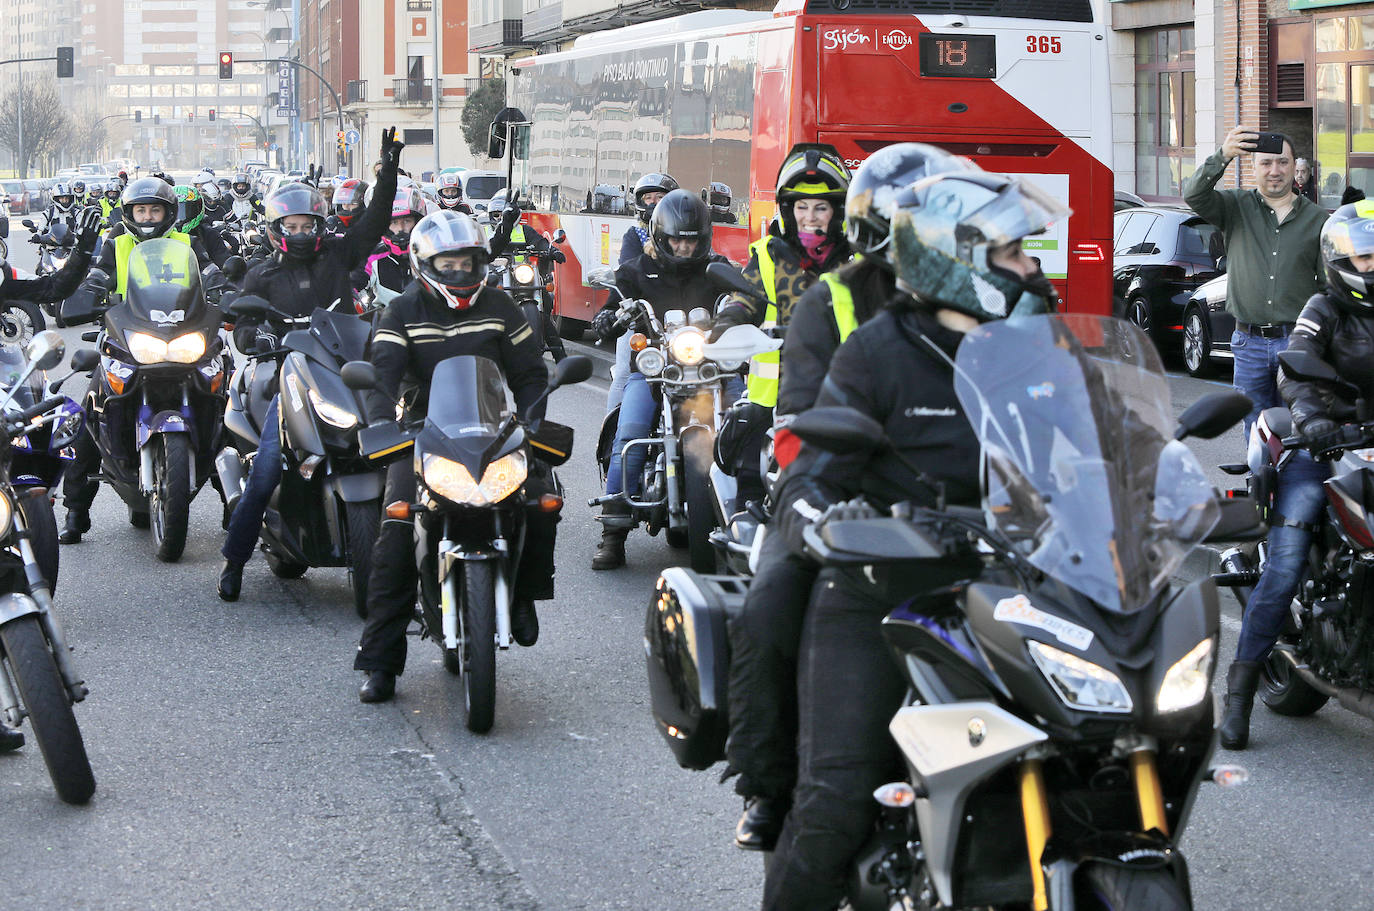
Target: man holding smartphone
(1273, 254)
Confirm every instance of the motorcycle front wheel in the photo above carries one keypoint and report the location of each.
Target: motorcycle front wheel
(49, 705)
(479, 645)
(170, 504)
(19, 322)
(1109, 888)
(362, 520)
(696, 495)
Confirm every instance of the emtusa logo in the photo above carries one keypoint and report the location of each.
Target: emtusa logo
(897, 39)
(840, 39)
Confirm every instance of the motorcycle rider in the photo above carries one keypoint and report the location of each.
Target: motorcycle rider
(191, 221)
(449, 311)
(109, 203)
(79, 191)
(348, 201)
(449, 189)
(63, 207)
(957, 255)
(720, 197)
(512, 234)
(390, 259)
(670, 275)
(1337, 326)
(309, 269)
(648, 190)
(245, 204)
(764, 634)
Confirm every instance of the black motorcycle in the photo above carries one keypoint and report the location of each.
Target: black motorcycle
(38, 678)
(158, 402)
(527, 277)
(473, 456)
(1059, 718)
(326, 510)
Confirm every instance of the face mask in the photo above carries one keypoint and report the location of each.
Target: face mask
(812, 242)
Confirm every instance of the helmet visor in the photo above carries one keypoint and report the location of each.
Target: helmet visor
(989, 207)
(1351, 234)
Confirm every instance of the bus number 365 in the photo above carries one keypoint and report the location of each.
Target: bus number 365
(1042, 44)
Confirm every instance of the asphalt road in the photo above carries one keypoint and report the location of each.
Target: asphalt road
(237, 770)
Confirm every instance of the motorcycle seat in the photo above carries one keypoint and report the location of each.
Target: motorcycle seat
(1278, 420)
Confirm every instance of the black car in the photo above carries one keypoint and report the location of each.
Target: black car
(1161, 255)
(1207, 328)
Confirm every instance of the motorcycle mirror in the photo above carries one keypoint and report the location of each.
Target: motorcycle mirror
(28, 223)
(729, 278)
(85, 360)
(603, 278)
(45, 350)
(840, 430)
(1307, 366)
(560, 236)
(250, 306)
(576, 368)
(359, 376)
(1213, 414)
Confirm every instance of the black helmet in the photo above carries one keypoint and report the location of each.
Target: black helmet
(651, 183)
(148, 191)
(1349, 232)
(680, 215)
(867, 207)
(812, 171)
(447, 231)
(295, 198)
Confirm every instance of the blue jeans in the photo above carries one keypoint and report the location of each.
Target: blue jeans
(1300, 498)
(246, 521)
(620, 372)
(637, 413)
(1256, 372)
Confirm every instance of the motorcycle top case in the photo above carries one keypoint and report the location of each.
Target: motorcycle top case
(688, 655)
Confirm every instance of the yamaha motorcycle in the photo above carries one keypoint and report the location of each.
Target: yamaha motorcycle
(38, 677)
(326, 510)
(1059, 718)
(158, 401)
(472, 460)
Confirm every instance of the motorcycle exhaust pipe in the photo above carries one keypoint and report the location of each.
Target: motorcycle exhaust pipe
(229, 467)
(1237, 573)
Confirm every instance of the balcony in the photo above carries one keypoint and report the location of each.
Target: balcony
(355, 91)
(412, 91)
(498, 37)
(419, 6)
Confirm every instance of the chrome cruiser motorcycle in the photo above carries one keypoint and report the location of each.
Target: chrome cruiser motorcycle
(1059, 717)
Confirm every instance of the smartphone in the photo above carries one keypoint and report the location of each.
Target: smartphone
(1269, 143)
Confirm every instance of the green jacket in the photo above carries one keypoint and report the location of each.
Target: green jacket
(1273, 268)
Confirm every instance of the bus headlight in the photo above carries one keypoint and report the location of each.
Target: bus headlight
(1188, 682)
(688, 347)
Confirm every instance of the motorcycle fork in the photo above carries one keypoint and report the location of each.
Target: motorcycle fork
(675, 517)
(451, 556)
(1035, 810)
(1149, 794)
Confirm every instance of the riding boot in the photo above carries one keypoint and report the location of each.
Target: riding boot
(610, 553)
(1241, 682)
(78, 523)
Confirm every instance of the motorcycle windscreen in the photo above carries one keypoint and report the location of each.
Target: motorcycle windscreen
(164, 282)
(467, 392)
(1081, 470)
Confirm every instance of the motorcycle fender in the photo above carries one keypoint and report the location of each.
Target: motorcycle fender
(15, 605)
(162, 422)
(1118, 849)
(950, 748)
(358, 488)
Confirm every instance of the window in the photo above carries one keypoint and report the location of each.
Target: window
(1131, 239)
(419, 137)
(1165, 106)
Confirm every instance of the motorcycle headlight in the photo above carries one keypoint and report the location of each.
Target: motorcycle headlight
(450, 480)
(147, 349)
(1081, 684)
(6, 515)
(688, 347)
(524, 274)
(1189, 680)
(503, 477)
(330, 413)
(186, 349)
(649, 361)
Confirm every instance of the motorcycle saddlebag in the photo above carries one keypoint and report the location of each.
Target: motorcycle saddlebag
(688, 655)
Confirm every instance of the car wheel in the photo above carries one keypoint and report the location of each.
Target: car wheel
(1138, 312)
(1197, 343)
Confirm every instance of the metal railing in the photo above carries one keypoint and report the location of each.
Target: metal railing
(412, 91)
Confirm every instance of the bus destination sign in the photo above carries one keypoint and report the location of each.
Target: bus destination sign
(970, 56)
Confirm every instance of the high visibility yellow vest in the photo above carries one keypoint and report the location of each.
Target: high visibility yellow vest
(842, 304)
(765, 368)
(124, 245)
(517, 234)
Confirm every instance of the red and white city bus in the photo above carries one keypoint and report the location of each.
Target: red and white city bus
(1019, 86)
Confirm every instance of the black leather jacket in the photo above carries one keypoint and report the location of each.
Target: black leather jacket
(665, 288)
(1344, 341)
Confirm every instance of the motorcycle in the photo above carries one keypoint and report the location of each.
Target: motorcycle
(1324, 652)
(528, 278)
(38, 678)
(326, 510)
(158, 403)
(1059, 680)
(472, 456)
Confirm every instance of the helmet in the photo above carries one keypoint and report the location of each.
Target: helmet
(190, 208)
(651, 183)
(447, 231)
(408, 202)
(209, 192)
(295, 198)
(225, 184)
(60, 191)
(348, 200)
(150, 191)
(868, 205)
(680, 215)
(1349, 232)
(719, 197)
(945, 225)
(112, 190)
(496, 205)
(241, 187)
(449, 189)
(812, 171)
(79, 187)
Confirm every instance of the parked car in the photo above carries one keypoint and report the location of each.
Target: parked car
(38, 194)
(481, 186)
(1125, 199)
(18, 196)
(1207, 328)
(1161, 255)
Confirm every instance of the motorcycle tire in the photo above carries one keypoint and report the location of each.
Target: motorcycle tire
(20, 321)
(1284, 692)
(535, 317)
(1102, 887)
(283, 568)
(362, 520)
(170, 504)
(479, 645)
(696, 496)
(49, 705)
(42, 525)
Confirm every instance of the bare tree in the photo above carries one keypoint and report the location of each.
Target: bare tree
(87, 135)
(46, 123)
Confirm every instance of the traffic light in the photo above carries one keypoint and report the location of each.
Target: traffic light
(342, 145)
(138, 116)
(190, 116)
(226, 65)
(65, 65)
(212, 115)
